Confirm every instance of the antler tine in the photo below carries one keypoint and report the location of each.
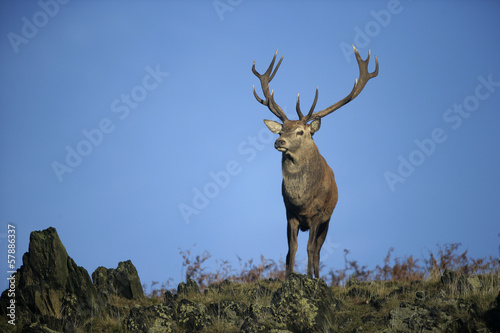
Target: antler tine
(364, 75)
(277, 66)
(264, 81)
(297, 107)
(359, 84)
(309, 114)
(260, 100)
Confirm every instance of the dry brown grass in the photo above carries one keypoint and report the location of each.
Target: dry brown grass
(410, 269)
(248, 272)
(430, 267)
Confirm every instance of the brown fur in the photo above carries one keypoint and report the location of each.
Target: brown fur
(309, 189)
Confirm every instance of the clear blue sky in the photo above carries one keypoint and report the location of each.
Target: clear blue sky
(116, 115)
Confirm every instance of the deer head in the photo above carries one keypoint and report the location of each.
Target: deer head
(294, 134)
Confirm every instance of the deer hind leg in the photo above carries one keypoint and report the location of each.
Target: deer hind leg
(292, 232)
(311, 249)
(320, 239)
(317, 236)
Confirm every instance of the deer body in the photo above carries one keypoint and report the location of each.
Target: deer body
(309, 189)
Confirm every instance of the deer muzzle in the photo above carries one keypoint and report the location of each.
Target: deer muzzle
(280, 145)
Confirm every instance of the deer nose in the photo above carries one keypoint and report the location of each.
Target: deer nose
(279, 143)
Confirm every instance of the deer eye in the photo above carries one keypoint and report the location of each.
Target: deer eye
(300, 133)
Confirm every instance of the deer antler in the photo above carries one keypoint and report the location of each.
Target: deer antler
(264, 81)
(359, 84)
(301, 116)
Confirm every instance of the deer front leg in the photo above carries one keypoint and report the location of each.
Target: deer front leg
(292, 232)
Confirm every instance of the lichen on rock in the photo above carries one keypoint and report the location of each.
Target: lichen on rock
(304, 304)
(122, 281)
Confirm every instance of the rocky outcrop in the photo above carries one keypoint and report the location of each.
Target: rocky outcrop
(305, 304)
(182, 315)
(51, 288)
(450, 308)
(122, 281)
(53, 293)
(155, 318)
(301, 304)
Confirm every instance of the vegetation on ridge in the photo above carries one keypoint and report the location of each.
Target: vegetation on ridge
(445, 292)
(447, 257)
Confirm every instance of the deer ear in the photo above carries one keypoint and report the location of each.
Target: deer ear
(273, 126)
(315, 125)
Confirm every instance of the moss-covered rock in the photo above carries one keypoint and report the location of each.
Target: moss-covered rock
(408, 318)
(53, 295)
(152, 319)
(467, 284)
(189, 288)
(258, 291)
(304, 304)
(260, 318)
(229, 311)
(192, 316)
(51, 288)
(449, 277)
(122, 281)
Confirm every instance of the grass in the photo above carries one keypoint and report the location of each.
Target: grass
(407, 269)
(370, 298)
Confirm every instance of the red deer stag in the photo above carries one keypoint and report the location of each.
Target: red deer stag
(309, 189)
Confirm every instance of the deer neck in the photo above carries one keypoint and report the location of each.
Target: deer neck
(303, 172)
(303, 166)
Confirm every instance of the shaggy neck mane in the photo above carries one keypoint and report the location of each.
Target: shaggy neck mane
(302, 171)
